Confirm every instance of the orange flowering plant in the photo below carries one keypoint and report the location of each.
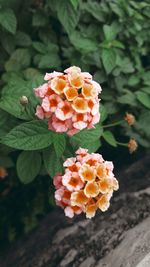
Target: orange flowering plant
(49, 122)
(87, 184)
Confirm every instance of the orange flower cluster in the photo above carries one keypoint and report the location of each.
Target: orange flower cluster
(87, 185)
(69, 101)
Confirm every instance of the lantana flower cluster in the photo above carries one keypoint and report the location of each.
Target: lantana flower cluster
(69, 100)
(87, 184)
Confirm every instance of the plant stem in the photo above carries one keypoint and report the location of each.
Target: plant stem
(113, 124)
(122, 144)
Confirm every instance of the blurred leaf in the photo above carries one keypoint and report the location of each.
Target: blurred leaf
(8, 20)
(67, 15)
(82, 43)
(109, 32)
(75, 3)
(20, 58)
(39, 19)
(28, 166)
(143, 98)
(22, 39)
(109, 59)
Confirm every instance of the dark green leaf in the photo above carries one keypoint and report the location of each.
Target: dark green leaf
(109, 59)
(28, 166)
(109, 138)
(8, 20)
(143, 98)
(52, 162)
(59, 142)
(31, 135)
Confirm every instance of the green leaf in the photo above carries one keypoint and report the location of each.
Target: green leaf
(20, 58)
(28, 166)
(11, 105)
(75, 3)
(91, 146)
(22, 39)
(39, 19)
(109, 59)
(50, 60)
(52, 162)
(109, 138)
(143, 98)
(8, 20)
(86, 136)
(95, 10)
(109, 32)
(67, 15)
(31, 135)
(128, 98)
(40, 47)
(103, 113)
(83, 43)
(59, 142)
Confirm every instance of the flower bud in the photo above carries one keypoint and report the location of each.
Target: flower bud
(130, 118)
(3, 172)
(24, 100)
(132, 145)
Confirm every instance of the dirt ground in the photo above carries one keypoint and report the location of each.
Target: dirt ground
(118, 238)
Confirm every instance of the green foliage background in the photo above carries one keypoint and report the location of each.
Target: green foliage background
(108, 38)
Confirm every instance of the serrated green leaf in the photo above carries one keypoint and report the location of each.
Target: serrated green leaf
(91, 146)
(82, 43)
(59, 142)
(12, 105)
(52, 162)
(86, 136)
(143, 98)
(109, 138)
(67, 15)
(28, 166)
(50, 60)
(33, 135)
(8, 20)
(108, 59)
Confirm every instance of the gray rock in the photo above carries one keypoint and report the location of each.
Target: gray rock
(89, 262)
(133, 251)
(70, 256)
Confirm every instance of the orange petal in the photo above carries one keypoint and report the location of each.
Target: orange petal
(78, 198)
(91, 189)
(88, 91)
(76, 80)
(103, 203)
(87, 173)
(101, 171)
(58, 85)
(80, 105)
(71, 93)
(90, 210)
(104, 186)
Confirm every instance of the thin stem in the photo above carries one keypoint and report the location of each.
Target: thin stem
(113, 124)
(122, 144)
